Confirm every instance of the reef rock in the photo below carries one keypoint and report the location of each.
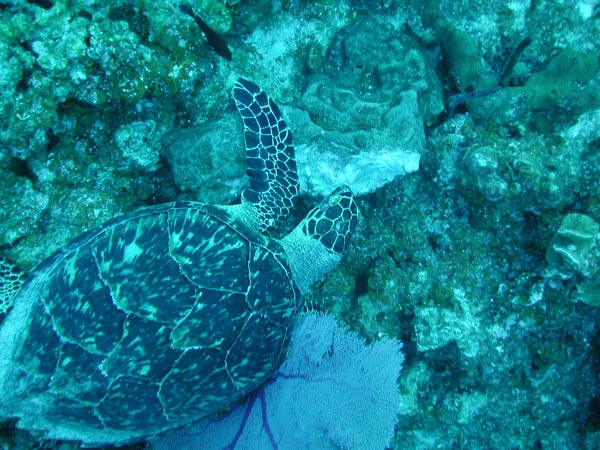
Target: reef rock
(208, 160)
(574, 253)
(342, 138)
(569, 251)
(138, 142)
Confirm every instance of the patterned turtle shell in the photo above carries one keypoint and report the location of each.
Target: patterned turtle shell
(173, 312)
(141, 326)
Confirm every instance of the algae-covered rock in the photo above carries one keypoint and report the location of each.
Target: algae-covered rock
(588, 290)
(436, 327)
(482, 161)
(139, 143)
(63, 41)
(378, 58)
(21, 209)
(464, 58)
(336, 108)
(386, 287)
(559, 92)
(169, 26)
(208, 160)
(481, 165)
(574, 253)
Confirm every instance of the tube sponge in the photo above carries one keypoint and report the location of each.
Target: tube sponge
(333, 391)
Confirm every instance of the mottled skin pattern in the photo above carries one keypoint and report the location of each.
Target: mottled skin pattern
(173, 312)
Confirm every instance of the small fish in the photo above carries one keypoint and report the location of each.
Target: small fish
(513, 60)
(214, 39)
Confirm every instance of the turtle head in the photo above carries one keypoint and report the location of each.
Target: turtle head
(333, 222)
(319, 242)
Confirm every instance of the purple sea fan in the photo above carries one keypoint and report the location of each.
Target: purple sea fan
(332, 392)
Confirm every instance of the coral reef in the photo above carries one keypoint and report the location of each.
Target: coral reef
(208, 160)
(563, 87)
(483, 262)
(481, 165)
(138, 144)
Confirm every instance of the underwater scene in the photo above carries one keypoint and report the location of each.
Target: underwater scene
(354, 224)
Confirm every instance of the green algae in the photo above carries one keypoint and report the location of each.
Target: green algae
(559, 92)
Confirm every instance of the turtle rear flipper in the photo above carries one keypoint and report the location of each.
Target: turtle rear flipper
(11, 280)
(269, 155)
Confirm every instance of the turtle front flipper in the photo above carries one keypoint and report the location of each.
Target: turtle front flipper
(269, 155)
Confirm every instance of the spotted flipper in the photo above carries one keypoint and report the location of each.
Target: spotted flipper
(269, 155)
(11, 279)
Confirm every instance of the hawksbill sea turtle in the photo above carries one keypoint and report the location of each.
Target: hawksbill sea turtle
(173, 312)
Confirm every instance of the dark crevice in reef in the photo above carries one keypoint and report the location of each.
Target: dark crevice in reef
(20, 167)
(46, 4)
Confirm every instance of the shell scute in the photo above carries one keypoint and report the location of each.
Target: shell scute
(249, 368)
(145, 351)
(215, 321)
(133, 261)
(130, 404)
(271, 288)
(80, 304)
(197, 383)
(207, 250)
(73, 378)
(73, 413)
(40, 349)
